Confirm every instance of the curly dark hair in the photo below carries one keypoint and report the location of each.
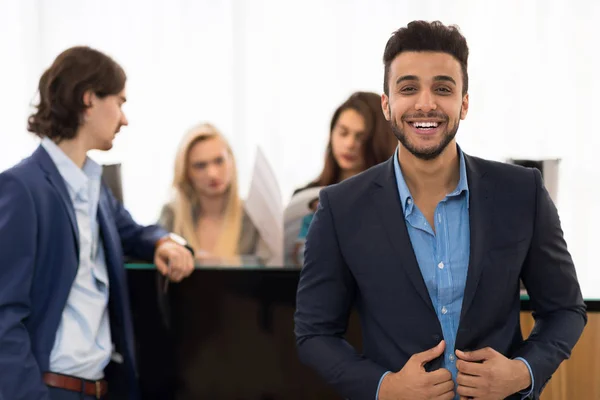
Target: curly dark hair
(427, 36)
(62, 86)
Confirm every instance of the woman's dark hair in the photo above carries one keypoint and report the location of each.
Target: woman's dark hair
(427, 36)
(312, 202)
(62, 86)
(380, 142)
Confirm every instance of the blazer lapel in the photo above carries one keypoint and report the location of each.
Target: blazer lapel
(119, 298)
(57, 181)
(387, 203)
(480, 216)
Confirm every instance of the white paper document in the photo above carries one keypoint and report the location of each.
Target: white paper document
(295, 211)
(264, 206)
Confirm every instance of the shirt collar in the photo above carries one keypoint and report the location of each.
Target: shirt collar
(404, 191)
(75, 177)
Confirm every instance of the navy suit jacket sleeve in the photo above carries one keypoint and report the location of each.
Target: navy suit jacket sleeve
(551, 282)
(20, 376)
(138, 241)
(325, 297)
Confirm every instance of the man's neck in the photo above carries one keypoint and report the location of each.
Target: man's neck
(75, 149)
(212, 207)
(436, 177)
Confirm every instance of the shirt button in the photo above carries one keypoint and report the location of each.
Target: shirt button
(444, 310)
(451, 357)
(441, 265)
(409, 201)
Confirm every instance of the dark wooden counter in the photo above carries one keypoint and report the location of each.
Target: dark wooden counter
(227, 333)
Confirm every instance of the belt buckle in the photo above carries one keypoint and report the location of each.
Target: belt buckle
(98, 385)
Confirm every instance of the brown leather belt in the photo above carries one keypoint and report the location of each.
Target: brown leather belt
(98, 389)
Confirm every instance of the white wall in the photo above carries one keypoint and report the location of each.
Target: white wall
(271, 72)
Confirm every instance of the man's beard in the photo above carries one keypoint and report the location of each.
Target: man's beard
(429, 153)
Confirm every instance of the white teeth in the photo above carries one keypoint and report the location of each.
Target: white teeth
(425, 124)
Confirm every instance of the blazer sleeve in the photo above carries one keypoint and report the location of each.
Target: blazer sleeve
(551, 282)
(20, 375)
(138, 241)
(325, 297)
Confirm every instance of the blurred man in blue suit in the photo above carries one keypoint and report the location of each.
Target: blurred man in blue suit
(430, 247)
(65, 322)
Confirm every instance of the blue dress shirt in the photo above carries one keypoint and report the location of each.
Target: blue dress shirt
(83, 344)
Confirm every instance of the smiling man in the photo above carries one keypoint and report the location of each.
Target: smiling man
(65, 324)
(430, 247)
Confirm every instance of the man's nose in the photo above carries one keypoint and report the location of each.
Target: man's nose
(425, 102)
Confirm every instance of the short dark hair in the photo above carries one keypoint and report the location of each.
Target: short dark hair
(427, 36)
(62, 86)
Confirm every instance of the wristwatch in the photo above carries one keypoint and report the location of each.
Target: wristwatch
(173, 237)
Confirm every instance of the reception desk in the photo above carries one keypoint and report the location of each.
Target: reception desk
(227, 333)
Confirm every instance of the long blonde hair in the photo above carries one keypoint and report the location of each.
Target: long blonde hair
(185, 200)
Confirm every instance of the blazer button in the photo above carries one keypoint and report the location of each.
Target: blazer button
(437, 338)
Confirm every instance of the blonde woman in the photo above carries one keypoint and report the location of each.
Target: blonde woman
(206, 208)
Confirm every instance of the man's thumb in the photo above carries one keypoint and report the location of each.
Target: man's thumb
(432, 353)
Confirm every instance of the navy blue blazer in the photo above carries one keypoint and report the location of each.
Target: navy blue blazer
(358, 254)
(39, 257)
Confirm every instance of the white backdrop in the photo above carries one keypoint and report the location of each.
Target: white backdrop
(271, 72)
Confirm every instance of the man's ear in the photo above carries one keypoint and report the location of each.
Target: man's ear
(465, 106)
(88, 102)
(88, 98)
(385, 106)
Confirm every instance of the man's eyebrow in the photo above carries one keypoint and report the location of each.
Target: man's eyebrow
(444, 78)
(437, 78)
(407, 78)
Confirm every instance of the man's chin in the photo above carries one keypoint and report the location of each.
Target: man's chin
(106, 147)
(427, 155)
(426, 152)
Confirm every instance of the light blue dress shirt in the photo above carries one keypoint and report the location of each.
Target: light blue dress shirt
(443, 255)
(83, 344)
